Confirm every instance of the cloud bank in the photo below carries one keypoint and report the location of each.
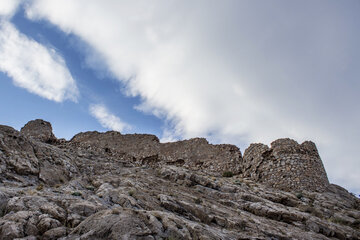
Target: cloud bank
(32, 66)
(8, 7)
(107, 119)
(235, 71)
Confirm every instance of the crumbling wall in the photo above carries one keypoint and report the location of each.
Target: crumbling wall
(195, 154)
(198, 154)
(286, 165)
(138, 145)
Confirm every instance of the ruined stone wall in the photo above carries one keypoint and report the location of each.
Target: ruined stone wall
(286, 165)
(198, 154)
(195, 154)
(138, 145)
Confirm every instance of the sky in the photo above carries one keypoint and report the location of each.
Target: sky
(233, 71)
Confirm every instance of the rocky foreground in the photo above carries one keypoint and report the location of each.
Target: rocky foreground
(88, 188)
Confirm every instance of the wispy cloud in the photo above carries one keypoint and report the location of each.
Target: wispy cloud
(107, 119)
(38, 69)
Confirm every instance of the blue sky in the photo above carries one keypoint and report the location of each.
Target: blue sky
(231, 71)
(96, 85)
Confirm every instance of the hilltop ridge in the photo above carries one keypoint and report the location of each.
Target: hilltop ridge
(93, 184)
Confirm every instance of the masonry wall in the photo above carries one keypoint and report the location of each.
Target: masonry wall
(286, 165)
(198, 154)
(195, 154)
(138, 145)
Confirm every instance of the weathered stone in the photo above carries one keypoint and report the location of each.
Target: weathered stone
(17, 153)
(46, 223)
(114, 186)
(195, 154)
(307, 171)
(10, 230)
(55, 233)
(39, 130)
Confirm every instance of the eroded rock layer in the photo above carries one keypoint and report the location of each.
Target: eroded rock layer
(114, 186)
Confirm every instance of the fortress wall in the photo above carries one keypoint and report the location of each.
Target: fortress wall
(198, 154)
(194, 154)
(287, 165)
(137, 145)
(253, 159)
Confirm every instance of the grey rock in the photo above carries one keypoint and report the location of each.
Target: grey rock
(114, 186)
(39, 130)
(55, 233)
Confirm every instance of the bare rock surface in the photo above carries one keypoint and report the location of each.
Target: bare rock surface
(114, 186)
(39, 130)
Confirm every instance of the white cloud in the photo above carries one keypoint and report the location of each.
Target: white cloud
(235, 71)
(8, 7)
(107, 119)
(32, 66)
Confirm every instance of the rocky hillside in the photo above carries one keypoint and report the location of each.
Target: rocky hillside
(114, 186)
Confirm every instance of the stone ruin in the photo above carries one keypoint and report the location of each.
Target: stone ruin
(286, 165)
(144, 149)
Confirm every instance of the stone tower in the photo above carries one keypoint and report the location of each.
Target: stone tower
(287, 165)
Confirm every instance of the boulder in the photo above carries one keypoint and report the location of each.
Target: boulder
(39, 130)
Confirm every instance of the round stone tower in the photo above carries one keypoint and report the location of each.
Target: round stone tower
(287, 165)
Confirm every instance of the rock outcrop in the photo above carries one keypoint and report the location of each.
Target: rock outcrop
(114, 186)
(39, 130)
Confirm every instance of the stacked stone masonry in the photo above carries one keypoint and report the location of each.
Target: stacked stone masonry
(287, 165)
(195, 154)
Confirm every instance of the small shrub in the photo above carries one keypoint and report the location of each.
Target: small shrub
(116, 211)
(338, 220)
(237, 182)
(299, 195)
(131, 193)
(227, 174)
(40, 187)
(31, 192)
(76, 194)
(312, 210)
(198, 200)
(90, 188)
